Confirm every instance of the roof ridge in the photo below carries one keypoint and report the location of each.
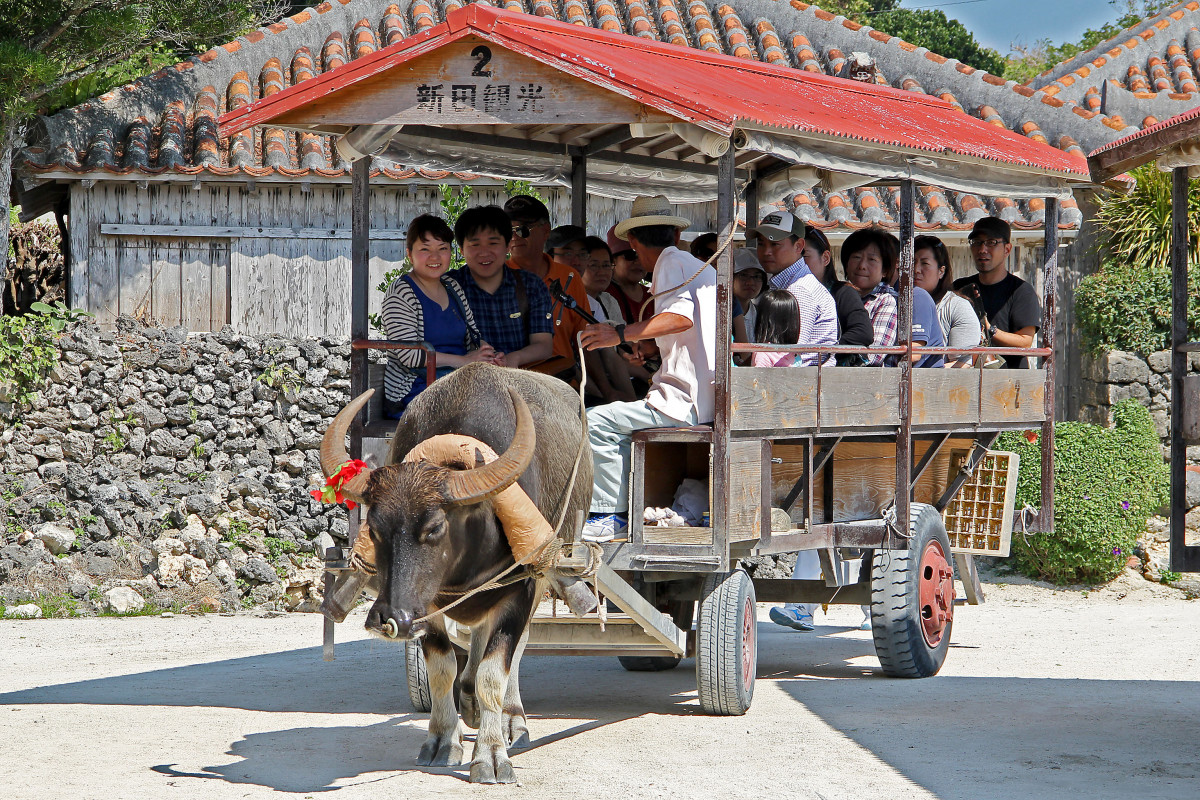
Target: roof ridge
(1124, 43)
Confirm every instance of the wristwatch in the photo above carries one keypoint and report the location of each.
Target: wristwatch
(621, 332)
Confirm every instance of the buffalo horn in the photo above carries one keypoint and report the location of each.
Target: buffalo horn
(481, 483)
(333, 448)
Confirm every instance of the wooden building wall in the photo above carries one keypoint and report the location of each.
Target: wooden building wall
(267, 258)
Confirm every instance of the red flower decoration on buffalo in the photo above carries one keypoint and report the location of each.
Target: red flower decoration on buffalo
(332, 492)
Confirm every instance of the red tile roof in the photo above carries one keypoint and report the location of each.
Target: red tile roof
(665, 76)
(99, 136)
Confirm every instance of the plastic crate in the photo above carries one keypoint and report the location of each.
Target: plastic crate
(979, 519)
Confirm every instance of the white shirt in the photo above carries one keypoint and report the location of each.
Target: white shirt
(606, 309)
(684, 382)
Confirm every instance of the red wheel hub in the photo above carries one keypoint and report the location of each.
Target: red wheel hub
(749, 644)
(936, 593)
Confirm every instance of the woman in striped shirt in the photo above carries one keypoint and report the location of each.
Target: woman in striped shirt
(427, 305)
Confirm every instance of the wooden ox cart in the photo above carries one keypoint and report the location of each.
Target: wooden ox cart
(841, 460)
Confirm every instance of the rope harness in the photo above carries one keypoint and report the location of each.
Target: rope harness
(541, 561)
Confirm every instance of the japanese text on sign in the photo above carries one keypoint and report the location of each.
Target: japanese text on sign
(435, 98)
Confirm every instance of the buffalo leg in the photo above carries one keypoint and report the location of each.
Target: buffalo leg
(512, 720)
(490, 763)
(468, 706)
(444, 745)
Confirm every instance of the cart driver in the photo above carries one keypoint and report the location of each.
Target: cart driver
(684, 328)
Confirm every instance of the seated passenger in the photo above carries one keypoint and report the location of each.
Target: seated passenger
(854, 324)
(511, 306)
(531, 230)
(606, 308)
(749, 280)
(779, 242)
(627, 286)
(704, 245)
(778, 323)
(1011, 312)
(926, 329)
(866, 260)
(566, 246)
(608, 375)
(427, 305)
(933, 273)
(684, 329)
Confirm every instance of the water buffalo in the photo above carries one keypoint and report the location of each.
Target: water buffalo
(435, 524)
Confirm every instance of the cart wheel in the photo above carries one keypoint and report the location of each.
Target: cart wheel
(682, 613)
(726, 644)
(418, 677)
(912, 599)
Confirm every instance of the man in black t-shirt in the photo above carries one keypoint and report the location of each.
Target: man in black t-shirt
(1012, 312)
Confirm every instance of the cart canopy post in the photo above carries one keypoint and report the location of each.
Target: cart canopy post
(1183, 558)
(904, 436)
(1049, 301)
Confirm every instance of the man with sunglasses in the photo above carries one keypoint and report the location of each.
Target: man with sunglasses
(531, 230)
(1011, 312)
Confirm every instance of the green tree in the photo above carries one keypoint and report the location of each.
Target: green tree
(55, 53)
(922, 27)
(1026, 62)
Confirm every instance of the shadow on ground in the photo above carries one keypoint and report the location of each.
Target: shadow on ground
(971, 738)
(959, 737)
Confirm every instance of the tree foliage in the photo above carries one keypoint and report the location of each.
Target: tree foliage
(57, 53)
(1126, 305)
(922, 27)
(1026, 62)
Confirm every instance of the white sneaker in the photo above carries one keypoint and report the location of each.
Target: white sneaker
(603, 527)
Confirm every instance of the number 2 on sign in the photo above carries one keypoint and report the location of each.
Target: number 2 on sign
(484, 57)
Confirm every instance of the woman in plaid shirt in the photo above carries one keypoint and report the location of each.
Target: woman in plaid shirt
(867, 260)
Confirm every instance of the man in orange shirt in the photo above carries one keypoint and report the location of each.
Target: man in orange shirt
(531, 229)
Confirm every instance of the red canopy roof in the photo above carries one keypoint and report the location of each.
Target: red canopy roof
(717, 92)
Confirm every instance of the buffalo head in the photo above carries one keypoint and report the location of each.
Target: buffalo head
(428, 518)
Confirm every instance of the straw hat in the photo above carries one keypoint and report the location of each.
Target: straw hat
(649, 210)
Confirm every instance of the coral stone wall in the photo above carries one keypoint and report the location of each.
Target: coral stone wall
(176, 464)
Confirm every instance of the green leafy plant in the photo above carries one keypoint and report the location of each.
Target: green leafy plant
(281, 376)
(1127, 304)
(29, 349)
(1167, 576)
(1107, 483)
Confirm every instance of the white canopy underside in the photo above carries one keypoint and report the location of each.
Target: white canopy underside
(828, 163)
(1183, 155)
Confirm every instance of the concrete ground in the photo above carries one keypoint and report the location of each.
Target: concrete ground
(1044, 695)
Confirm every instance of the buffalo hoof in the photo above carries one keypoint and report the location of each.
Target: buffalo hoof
(516, 732)
(492, 766)
(468, 709)
(441, 751)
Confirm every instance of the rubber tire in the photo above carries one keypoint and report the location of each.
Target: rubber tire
(895, 601)
(418, 677)
(683, 614)
(726, 661)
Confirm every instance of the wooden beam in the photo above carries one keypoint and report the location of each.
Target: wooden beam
(727, 201)
(579, 191)
(360, 276)
(1141, 150)
(1049, 304)
(1183, 558)
(240, 232)
(654, 622)
(904, 436)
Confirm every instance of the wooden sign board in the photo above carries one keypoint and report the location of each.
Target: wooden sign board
(471, 82)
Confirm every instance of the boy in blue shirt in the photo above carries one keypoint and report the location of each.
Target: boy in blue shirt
(511, 307)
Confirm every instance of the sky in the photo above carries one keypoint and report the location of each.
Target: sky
(998, 23)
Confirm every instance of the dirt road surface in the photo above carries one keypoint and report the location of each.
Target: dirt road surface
(1044, 695)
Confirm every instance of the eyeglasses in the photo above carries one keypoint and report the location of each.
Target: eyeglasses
(990, 244)
(523, 230)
